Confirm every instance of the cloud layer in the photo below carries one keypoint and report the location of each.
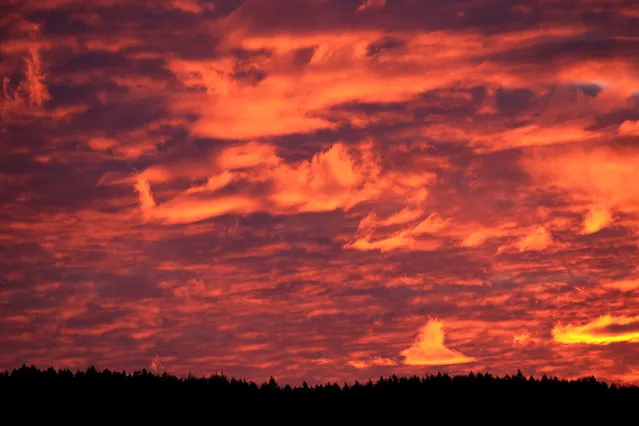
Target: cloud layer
(268, 187)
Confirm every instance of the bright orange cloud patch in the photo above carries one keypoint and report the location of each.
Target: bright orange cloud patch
(628, 285)
(429, 348)
(596, 219)
(538, 239)
(605, 330)
(629, 128)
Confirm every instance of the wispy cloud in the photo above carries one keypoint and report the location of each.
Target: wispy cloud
(604, 330)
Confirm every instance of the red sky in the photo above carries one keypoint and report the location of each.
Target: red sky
(320, 189)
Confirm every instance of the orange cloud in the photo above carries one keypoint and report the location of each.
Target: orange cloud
(403, 239)
(433, 224)
(403, 216)
(102, 144)
(629, 128)
(367, 223)
(288, 97)
(476, 238)
(34, 84)
(31, 92)
(470, 235)
(373, 362)
(394, 242)
(248, 155)
(186, 209)
(605, 330)
(623, 285)
(214, 183)
(598, 173)
(539, 239)
(601, 177)
(339, 177)
(535, 135)
(429, 348)
(596, 219)
(147, 202)
(274, 107)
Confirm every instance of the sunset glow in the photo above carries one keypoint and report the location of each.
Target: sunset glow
(320, 189)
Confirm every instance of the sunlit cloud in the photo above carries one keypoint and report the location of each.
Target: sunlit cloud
(628, 285)
(629, 128)
(600, 177)
(473, 236)
(372, 362)
(399, 240)
(599, 173)
(478, 237)
(536, 135)
(407, 238)
(332, 179)
(337, 178)
(403, 216)
(30, 91)
(596, 219)
(33, 84)
(429, 348)
(433, 224)
(102, 144)
(604, 330)
(538, 239)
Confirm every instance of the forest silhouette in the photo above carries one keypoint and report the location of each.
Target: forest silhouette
(480, 391)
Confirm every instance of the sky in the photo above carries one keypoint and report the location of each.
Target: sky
(320, 190)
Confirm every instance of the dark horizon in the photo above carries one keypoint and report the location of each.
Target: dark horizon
(104, 394)
(17, 375)
(32, 376)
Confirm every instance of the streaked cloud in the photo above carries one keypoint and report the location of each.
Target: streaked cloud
(372, 362)
(604, 330)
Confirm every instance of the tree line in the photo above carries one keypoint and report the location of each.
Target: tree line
(433, 387)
